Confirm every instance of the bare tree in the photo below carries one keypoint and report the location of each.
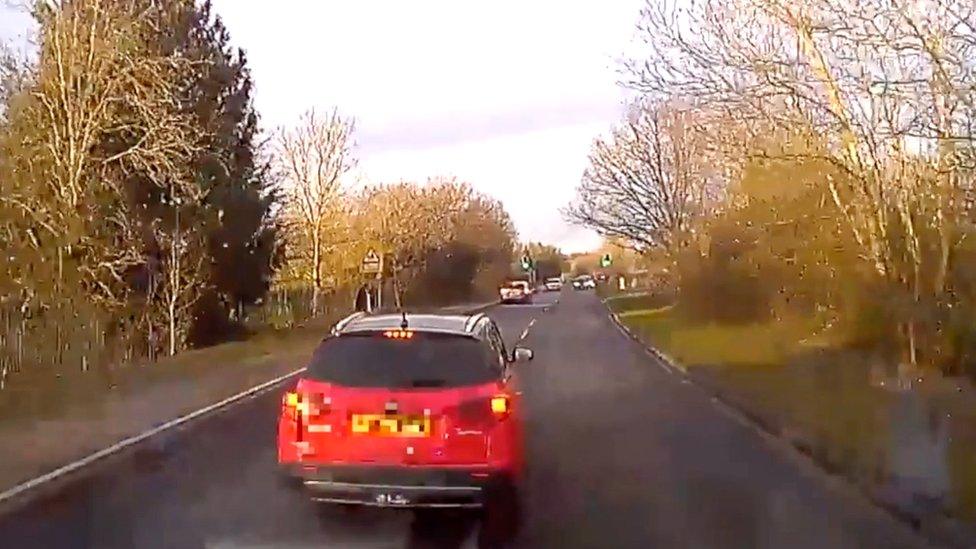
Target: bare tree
(103, 105)
(314, 157)
(407, 220)
(886, 84)
(644, 183)
(93, 80)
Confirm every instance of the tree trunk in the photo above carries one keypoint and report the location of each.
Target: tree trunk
(912, 354)
(316, 273)
(397, 290)
(174, 292)
(917, 294)
(172, 327)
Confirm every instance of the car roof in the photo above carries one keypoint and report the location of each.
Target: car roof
(446, 324)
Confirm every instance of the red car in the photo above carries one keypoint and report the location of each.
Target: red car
(404, 410)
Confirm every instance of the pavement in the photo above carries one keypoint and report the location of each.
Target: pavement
(620, 453)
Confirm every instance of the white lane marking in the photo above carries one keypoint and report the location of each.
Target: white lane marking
(525, 332)
(135, 439)
(74, 466)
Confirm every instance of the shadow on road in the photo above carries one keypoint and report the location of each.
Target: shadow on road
(431, 529)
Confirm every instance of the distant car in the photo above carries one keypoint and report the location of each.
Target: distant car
(584, 282)
(518, 291)
(407, 411)
(554, 284)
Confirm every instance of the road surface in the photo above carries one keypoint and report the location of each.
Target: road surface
(621, 454)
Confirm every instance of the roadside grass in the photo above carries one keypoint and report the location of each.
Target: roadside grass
(637, 302)
(766, 344)
(774, 373)
(47, 393)
(805, 385)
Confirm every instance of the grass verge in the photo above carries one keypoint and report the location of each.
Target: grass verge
(45, 393)
(748, 345)
(912, 450)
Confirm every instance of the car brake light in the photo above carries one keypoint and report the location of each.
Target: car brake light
(306, 404)
(484, 410)
(398, 334)
(500, 406)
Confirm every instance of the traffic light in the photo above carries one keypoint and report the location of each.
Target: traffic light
(526, 262)
(606, 261)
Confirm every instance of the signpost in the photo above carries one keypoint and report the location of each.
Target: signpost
(373, 265)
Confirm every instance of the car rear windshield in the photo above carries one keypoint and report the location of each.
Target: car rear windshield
(426, 360)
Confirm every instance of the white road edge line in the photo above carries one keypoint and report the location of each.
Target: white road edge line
(735, 415)
(661, 361)
(135, 439)
(807, 465)
(125, 443)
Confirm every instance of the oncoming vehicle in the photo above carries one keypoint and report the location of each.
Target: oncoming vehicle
(411, 411)
(517, 291)
(584, 282)
(554, 284)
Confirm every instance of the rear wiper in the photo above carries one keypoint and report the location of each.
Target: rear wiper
(427, 383)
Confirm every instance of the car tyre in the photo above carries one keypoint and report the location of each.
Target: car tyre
(501, 515)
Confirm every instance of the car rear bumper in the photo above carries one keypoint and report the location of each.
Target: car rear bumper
(392, 486)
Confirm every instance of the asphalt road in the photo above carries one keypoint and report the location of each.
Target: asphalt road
(620, 453)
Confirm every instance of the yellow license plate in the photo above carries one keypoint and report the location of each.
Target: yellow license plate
(390, 425)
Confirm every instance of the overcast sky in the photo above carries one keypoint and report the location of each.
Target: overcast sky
(504, 94)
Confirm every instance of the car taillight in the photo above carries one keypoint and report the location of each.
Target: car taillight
(501, 406)
(306, 404)
(289, 403)
(485, 410)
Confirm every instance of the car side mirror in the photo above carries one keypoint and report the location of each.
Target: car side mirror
(522, 354)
